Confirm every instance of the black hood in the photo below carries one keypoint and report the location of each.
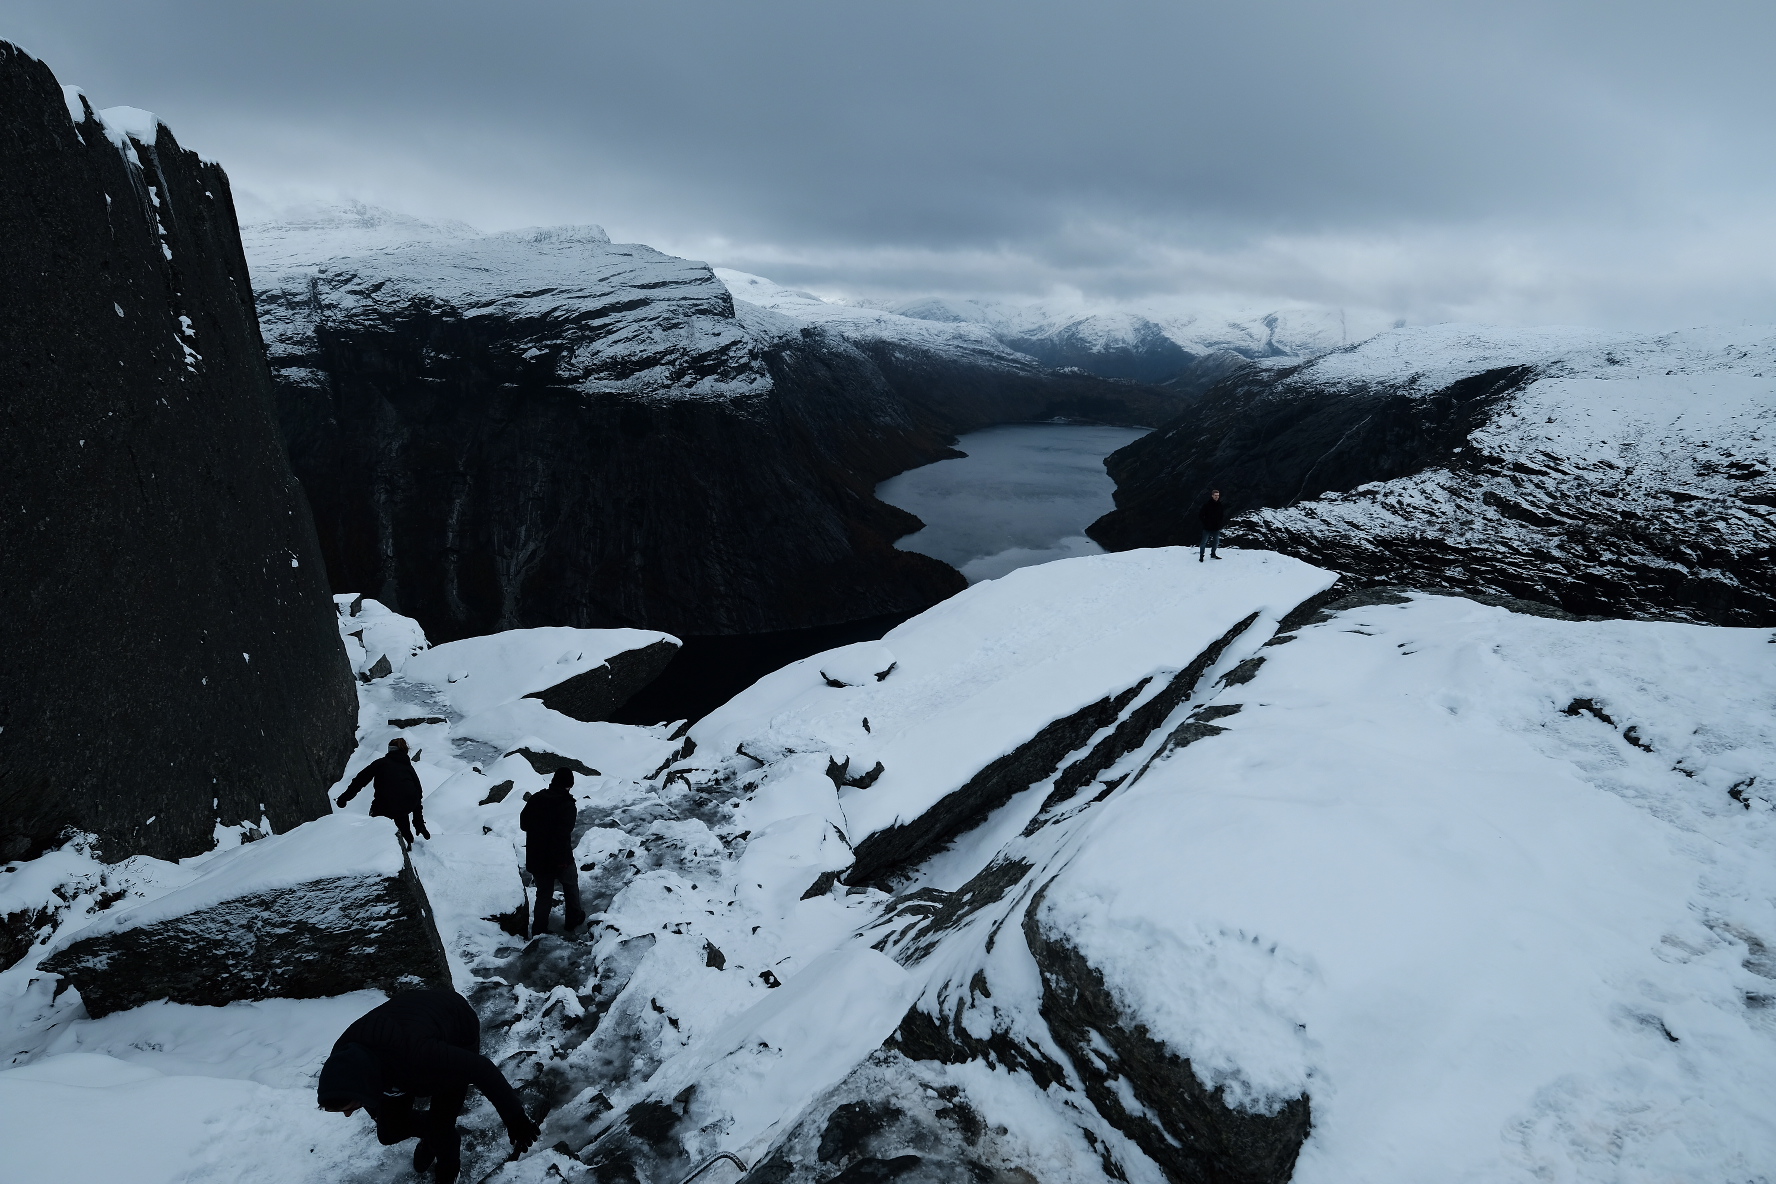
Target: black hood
(350, 1075)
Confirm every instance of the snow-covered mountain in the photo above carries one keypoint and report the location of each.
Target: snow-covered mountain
(1600, 473)
(1119, 868)
(1189, 349)
(306, 235)
(545, 427)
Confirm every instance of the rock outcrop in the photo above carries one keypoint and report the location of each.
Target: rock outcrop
(1602, 476)
(167, 656)
(330, 907)
(545, 428)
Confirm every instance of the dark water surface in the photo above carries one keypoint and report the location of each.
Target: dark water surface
(1023, 495)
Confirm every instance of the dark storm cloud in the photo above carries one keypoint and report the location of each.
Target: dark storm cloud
(1521, 160)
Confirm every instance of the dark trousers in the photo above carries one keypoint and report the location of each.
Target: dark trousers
(1211, 540)
(401, 821)
(546, 878)
(435, 1128)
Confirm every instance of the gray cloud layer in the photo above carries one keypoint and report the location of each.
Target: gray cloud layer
(1610, 162)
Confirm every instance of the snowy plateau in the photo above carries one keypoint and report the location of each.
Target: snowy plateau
(1124, 867)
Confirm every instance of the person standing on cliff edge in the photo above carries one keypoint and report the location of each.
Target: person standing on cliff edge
(398, 792)
(1212, 515)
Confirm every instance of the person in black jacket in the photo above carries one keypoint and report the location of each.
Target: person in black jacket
(548, 820)
(420, 1044)
(1212, 515)
(398, 791)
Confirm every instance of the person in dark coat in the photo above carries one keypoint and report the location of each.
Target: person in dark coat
(420, 1044)
(398, 791)
(548, 820)
(1212, 515)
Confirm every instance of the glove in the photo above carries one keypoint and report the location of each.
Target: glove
(523, 1134)
(423, 832)
(341, 802)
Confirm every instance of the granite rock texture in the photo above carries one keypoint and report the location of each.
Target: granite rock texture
(168, 661)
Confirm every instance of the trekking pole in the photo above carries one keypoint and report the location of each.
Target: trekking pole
(712, 1161)
(523, 891)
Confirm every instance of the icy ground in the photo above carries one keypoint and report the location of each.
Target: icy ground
(1495, 892)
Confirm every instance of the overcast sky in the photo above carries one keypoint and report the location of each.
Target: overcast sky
(1608, 162)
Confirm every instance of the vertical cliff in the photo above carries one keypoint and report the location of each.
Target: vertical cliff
(168, 661)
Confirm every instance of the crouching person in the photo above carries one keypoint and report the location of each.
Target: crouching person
(548, 820)
(420, 1044)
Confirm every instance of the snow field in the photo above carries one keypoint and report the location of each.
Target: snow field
(1492, 941)
(1489, 939)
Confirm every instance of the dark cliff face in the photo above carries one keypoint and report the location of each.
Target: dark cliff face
(544, 428)
(474, 497)
(1602, 477)
(1268, 440)
(168, 658)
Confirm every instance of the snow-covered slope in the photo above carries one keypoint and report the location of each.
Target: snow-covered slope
(1296, 331)
(1600, 473)
(309, 235)
(594, 316)
(1185, 347)
(1406, 887)
(865, 323)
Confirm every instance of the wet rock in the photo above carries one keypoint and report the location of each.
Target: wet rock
(598, 693)
(167, 626)
(1030, 762)
(330, 908)
(1133, 731)
(548, 762)
(1187, 1129)
(889, 1120)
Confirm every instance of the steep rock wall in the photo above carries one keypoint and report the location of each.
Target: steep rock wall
(1599, 475)
(545, 428)
(168, 660)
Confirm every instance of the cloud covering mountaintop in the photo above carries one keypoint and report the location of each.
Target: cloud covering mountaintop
(1606, 164)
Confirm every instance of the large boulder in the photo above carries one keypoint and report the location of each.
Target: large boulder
(168, 662)
(583, 673)
(331, 907)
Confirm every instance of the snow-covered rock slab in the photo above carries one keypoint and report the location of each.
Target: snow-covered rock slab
(1476, 894)
(984, 695)
(330, 907)
(583, 673)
